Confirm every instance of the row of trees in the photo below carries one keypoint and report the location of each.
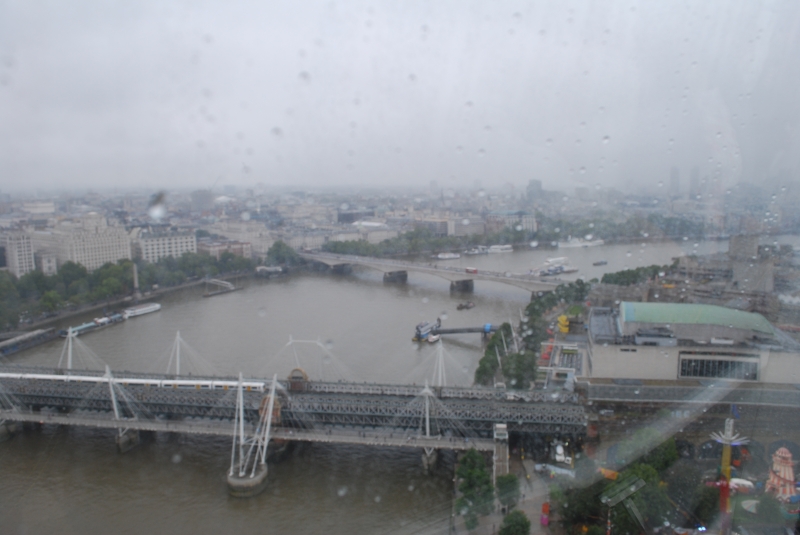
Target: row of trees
(519, 367)
(36, 294)
(634, 276)
(422, 240)
(478, 494)
(534, 324)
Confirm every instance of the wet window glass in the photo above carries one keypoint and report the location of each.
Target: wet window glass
(516, 267)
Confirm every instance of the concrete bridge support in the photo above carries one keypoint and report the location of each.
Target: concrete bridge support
(429, 458)
(8, 430)
(467, 286)
(342, 269)
(127, 440)
(245, 486)
(399, 277)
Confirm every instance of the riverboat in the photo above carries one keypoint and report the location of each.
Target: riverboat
(480, 249)
(501, 249)
(579, 242)
(557, 270)
(600, 263)
(465, 306)
(448, 256)
(140, 310)
(97, 323)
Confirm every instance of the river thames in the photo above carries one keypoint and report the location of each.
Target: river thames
(72, 480)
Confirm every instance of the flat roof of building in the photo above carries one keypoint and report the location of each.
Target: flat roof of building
(667, 313)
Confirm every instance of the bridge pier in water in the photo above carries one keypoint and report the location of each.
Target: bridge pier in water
(466, 286)
(8, 430)
(127, 440)
(398, 277)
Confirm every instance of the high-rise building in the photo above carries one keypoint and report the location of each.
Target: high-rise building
(89, 241)
(19, 253)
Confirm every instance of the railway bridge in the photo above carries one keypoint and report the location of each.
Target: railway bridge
(257, 411)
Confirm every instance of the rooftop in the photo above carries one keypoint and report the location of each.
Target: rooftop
(683, 313)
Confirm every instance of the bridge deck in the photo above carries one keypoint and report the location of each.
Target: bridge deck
(451, 273)
(377, 437)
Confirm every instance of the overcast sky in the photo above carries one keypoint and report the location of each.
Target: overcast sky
(192, 94)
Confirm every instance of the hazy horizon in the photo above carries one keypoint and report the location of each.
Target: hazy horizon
(360, 94)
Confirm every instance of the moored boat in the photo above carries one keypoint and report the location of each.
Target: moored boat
(139, 310)
(501, 249)
(448, 256)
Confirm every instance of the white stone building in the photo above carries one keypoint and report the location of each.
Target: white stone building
(153, 245)
(89, 241)
(19, 253)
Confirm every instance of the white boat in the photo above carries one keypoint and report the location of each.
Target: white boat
(432, 338)
(534, 244)
(501, 249)
(448, 256)
(557, 261)
(579, 242)
(139, 310)
(480, 249)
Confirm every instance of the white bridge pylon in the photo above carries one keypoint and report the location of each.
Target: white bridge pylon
(259, 441)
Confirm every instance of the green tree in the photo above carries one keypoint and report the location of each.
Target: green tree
(508, 492)
(648, 446)
(281, 254)
(50, 301)
(515, 523)
(9, 301)
(476, 485)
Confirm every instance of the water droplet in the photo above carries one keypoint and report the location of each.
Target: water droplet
(304, 76)
(628, 254)
(597, 186)
(377, 499)
(411, 488)
(468, 104)
(671, 141)
(177, 458)
(719, 135)
(342, 491)
(245, 216)
(660, 184)
(583, 124)
(548, 142)
(518, 228)
(412, 77)
(157, 211)
(582, 170)
(459, 149)
(465, 222)
(262, 312)
(606, 139)
(344, 206)
(425, 299)
(481, 152)
(577, 141)
(686, 238)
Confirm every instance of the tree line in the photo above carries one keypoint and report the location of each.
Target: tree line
(35, 294)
